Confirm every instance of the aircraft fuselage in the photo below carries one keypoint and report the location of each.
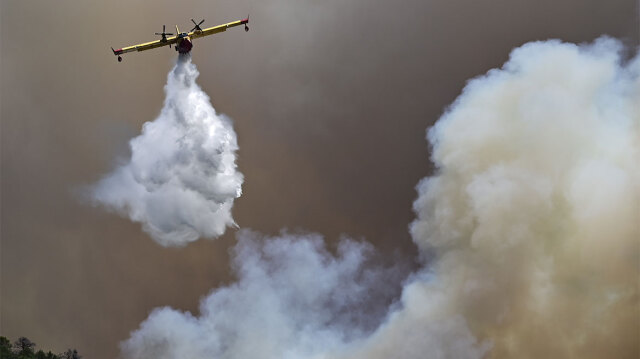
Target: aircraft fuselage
(182, 41)
(184, 44)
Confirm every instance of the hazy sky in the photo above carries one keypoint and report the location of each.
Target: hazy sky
(330, 101)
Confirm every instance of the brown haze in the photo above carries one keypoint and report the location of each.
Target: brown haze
(330, 100)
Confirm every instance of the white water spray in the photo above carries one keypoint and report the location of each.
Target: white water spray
(181, 180)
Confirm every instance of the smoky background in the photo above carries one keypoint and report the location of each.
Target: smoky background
(330, 101)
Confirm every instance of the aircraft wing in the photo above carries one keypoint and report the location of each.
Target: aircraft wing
(217, 29)
(146, 45)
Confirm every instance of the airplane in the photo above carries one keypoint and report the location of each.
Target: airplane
(182, 41)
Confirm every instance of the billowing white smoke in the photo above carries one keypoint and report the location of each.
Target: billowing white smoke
(293, 299)
(533, 218)
(534, 214)
(181, 180)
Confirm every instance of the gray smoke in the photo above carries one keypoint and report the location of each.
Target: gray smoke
(181, 180)
(535, 211)
(533, 221)
(293, 299)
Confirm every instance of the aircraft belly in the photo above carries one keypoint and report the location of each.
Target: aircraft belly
(184, 46)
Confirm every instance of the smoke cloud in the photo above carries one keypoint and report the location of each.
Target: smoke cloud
(529, 233)
(181, 180)
(534, 214)
(293, 299)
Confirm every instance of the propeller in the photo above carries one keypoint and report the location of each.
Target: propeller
(164, 34)
(246, 28)
(197, 27)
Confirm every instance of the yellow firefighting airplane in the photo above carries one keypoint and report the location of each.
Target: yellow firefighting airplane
(181, 41)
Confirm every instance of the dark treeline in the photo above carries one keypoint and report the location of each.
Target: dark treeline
(24, 348)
